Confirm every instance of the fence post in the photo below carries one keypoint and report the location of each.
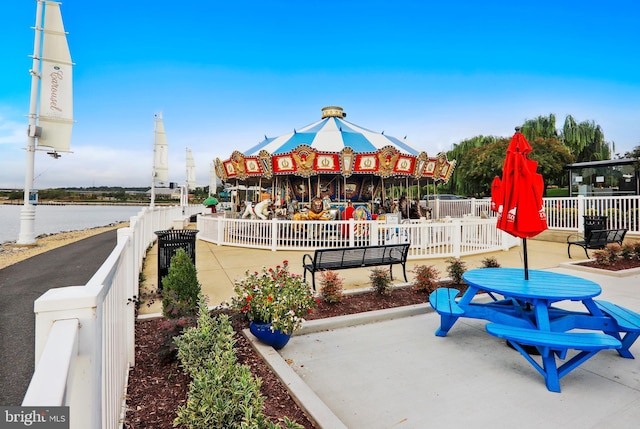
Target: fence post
(581, 211)
(457, 238)
(274, 233)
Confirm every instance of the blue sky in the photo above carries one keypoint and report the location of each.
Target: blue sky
(226, 73)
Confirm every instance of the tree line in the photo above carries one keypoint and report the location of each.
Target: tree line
(480, 159)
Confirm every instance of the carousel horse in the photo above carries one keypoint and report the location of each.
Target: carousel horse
(261, 210)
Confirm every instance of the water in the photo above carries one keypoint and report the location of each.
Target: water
(53, 219)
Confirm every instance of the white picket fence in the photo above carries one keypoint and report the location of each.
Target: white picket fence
(84, 343)
(453, 237)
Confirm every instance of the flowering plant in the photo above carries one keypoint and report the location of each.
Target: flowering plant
(276, 296)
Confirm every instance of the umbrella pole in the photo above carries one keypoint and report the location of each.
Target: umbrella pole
(526, 261)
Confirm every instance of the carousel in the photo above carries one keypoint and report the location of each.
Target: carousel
(320, 170)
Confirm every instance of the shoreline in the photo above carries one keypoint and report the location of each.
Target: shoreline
(10, 253)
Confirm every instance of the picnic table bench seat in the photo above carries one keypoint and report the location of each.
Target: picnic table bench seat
(552, 344)
(443, 300)
(596, 239)
(628, 322)
(356, 257)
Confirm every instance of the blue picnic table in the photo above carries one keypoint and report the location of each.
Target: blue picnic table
(523, 312)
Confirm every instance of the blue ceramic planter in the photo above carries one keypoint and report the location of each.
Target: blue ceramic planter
(262, 331)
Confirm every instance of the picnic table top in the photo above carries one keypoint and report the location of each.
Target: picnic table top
(540, 285)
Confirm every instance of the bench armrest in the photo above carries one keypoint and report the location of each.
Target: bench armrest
(310, 258)
(575, 237)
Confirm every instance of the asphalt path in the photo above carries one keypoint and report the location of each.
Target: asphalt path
(20, 285)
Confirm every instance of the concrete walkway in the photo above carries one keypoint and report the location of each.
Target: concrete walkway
(387, 369)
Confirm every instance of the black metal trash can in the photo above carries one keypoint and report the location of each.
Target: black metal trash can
(593, 223)
(169, 242)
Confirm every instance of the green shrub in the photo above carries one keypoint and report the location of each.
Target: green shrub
(609, 255)
(636, 248)
(456, 268)
(331, 286)
(381, 281)
(219, 395)
(181, 287)
(211, 337)
(627, 252)
(427, 278)
(222, 393)
(490, 262)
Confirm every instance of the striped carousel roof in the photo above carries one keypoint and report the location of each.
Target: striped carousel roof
(331, 134)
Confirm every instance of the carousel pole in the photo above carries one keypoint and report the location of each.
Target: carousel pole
(344, 189)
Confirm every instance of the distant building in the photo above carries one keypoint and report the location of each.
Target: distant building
(604, 178)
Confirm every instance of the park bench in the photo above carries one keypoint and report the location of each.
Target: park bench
(356, 257)
(597, 239)
(551, 344)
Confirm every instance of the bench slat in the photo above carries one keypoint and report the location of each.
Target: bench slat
(554, 340)
(628, 321)
(551, 344)
(443, 300)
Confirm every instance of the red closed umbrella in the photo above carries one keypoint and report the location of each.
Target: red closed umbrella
(518, 195)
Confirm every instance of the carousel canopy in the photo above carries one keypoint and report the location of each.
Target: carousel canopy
(333, 146)
(332, 134)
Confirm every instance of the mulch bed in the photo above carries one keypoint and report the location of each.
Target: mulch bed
(157, 387)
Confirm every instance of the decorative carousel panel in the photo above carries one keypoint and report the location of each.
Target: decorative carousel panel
(230, 171)
(237, 162)
(220, 170)
(252, 167)
(327, 163)
(346, 161)
(266, 164)
(366, 163)
(439, 168)
(352, 188)
(368, 188)
(404, 165)
(283, 164)
(327, 188)
(300, 188)
(387, 159)
(419, 167)
(304, 157)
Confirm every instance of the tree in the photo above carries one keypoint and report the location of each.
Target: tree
(542, 126)
(585, 140)
(635, 153)
(486, 162)
(460, 154)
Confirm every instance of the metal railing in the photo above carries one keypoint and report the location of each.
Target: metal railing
(84, 344)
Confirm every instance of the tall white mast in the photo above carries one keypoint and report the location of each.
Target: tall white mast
(160, 156)
(27, 234)
(50, 121)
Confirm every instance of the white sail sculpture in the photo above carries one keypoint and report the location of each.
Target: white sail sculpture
(191, 171)
(51, 120)
(160, 157)
(56, 101)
